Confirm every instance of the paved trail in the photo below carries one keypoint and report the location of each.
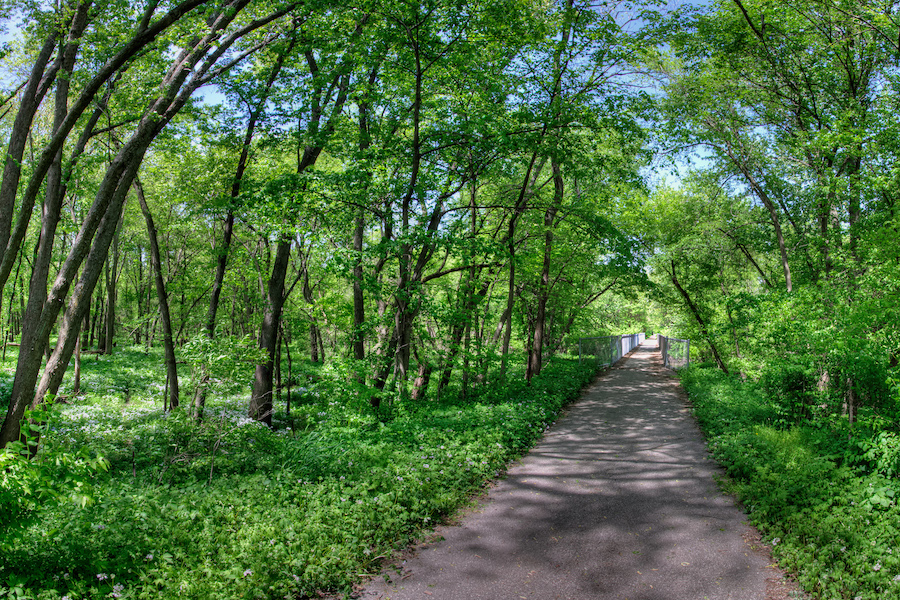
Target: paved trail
(616, 502)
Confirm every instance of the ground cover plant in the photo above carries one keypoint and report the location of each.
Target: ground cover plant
(229, 508)
(823, 492)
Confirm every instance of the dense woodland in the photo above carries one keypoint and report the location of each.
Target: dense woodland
(336, 218)
(399, 186)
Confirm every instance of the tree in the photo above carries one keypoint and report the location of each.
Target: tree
(328, 72)
(197, 63)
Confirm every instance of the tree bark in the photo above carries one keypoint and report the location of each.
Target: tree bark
(531, 175)
(112, 285)
(359, 306)
(423, 378)
(162, 299)
(29, 102)
(261, 406)
(535, 354)
(52, 207)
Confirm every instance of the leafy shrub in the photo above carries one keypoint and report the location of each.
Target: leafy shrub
(865, 374)
(790, 388)
(55, 475)
(878, 453)
(835, 526)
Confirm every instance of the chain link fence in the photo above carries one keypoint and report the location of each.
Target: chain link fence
(608, 349)
(676, 353)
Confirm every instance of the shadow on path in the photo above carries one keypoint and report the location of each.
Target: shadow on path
(616, 501)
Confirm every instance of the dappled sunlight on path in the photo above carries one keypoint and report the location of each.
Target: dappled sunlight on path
(618, 500)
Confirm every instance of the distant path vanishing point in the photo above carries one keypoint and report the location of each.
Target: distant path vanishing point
(617, 501)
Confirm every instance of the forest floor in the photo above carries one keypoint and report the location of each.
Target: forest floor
(618, 500)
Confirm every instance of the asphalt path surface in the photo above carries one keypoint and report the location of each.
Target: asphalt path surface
(617, 501)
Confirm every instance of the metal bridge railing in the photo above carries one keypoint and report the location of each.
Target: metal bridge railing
(676, 353)
(607, 350)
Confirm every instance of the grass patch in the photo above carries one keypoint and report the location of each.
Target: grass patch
(231, 509)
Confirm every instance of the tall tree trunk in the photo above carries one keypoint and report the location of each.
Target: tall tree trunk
(510, 296)
(139, 296)
(30, 342)
(83, 289)
(470, 301)
(279, 345)
(98, 311)
(148, 302)
(535, 355)
(76, 381)
(219, 278)
(223, 250)
(285, 335)
(261, 396)
(261, 406)
(467, 349)
(359, 307)
(405, 297)
(31, 98)
(30, 358)
(8, 334)
(531, 175)
(112, 285)
(314, 335)
(162, 299)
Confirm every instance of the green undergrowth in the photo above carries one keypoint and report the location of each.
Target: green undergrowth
(231, 509)
(822, 492)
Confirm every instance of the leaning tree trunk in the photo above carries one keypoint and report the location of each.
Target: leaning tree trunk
(91, 246)
(162, 299)
(696, 312)
(30, 342)
(761, 193)
(29, 101)
(146, 33)
(30, 358)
